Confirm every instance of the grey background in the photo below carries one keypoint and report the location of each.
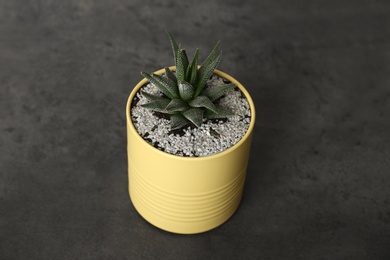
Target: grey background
(318, 178)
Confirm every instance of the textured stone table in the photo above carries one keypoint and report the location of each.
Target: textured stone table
(318, 182)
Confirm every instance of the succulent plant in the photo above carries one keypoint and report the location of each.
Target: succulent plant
(185, 97)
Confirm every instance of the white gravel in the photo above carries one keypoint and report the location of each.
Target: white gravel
(210, 138)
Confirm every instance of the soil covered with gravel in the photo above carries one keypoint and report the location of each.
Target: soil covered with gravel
(214, 136)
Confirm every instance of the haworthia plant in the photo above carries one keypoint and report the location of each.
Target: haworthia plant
(184, 94)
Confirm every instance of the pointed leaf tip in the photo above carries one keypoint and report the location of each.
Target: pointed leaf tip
(178, 121)
(174, 46)
(181, 65)
(203, 101)
(195, 115)
(218, 91)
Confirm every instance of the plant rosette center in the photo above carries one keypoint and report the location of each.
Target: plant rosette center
(213, 136)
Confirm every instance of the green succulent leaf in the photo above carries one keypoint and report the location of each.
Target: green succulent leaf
(181, 65)
(186, 91)
(221, 113)
(178, 121)
(194, 77)
(170, 85)
(176, 105)
(203, 101)
(213, 93)
(188, 73)
(170, 75)
(211, 56)
(151, 97)
(174, 45)
(192, 70)
(167, 86)
(204, 74)
(195, 115)
(158, 105)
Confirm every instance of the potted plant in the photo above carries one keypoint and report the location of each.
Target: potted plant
(189, 130)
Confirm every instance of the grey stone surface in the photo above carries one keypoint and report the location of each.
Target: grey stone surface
(318, 179)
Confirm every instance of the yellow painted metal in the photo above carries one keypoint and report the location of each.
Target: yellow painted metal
(186, 195)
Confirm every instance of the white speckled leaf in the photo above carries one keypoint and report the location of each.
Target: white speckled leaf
(177, 105)
(186, 90)
(203, 101)
(218, 91)
(178, 121)
(157, 105)
(195, 115)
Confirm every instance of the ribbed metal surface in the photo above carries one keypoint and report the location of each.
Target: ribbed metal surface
(185, 208)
